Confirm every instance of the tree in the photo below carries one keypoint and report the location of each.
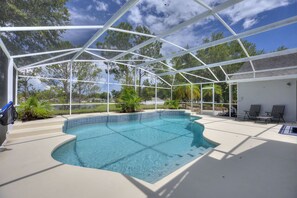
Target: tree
(25, 87)
(86, 72)
(164, 94)
(32, 13)
(115, 95)
(182, 62)
(124, 41)
(208, 94)
(81, 71)
(218, 53)
(120, 41)
(151, 50)
(224, 52)
(281, 48)
(183, 93)
(129, 101)
(147, 92)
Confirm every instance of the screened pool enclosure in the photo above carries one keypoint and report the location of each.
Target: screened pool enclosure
(193, 51)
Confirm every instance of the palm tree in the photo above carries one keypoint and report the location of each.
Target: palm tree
(207, 93)
(183, 93)
(129, 101)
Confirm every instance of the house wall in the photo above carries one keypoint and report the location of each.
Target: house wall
(268, 93)
(3, 89)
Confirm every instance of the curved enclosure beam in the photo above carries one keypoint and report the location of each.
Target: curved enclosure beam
(80, 27)
(251, 32)
(107, 60)
(217, 16)
(194, 56)
(49, 59)
(180, 26)
(240, 60)
(183, 72)
(125, 8)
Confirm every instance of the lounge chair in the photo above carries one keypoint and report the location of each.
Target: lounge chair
(277, 113)
(253, 113)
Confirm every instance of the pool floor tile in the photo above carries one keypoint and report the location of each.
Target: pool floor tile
(99, 151)
(148, 136)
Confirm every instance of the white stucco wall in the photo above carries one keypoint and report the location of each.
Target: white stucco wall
(267, 94)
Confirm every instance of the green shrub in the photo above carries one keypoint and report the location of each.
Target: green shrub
(171, 104)
(128, 100)
(32, 109)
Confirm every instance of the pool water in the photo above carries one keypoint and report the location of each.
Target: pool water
(147, 149)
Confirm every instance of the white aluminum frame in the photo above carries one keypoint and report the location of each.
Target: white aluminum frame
(125, 8)
(239, 60)
(150, 60)
(245, 34)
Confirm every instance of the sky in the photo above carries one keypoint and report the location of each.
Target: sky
(161, 15)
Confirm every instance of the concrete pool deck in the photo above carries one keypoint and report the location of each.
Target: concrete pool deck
(252, 160)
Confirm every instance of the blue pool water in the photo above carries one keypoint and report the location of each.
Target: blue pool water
(148, 149)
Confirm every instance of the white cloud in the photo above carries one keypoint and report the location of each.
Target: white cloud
(248, 10)
(117, 2)
(151, 19)
(135, 16)
(249, 23)
(89, 7)
(184, 38)
(100, 6)
(79, 18)
(162, 15)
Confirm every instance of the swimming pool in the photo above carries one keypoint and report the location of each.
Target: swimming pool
(148, 146)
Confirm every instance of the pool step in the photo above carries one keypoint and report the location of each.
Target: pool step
(32, 138)
(42, 127)
(35, 130)
(37, 123)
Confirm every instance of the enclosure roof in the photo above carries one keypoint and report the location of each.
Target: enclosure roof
(285, 65)
(261, 35)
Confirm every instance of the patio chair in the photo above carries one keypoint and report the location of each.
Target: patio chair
(253, 113)
(277, 113)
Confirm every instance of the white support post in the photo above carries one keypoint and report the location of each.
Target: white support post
(70, 89)
(10, 80)
(156, 93)
(230, 99)
(201, 99)
(213, 99)
(191, 97)
(16, 87)
(171, 93)
(107, 108)
(135, 74)
(9, 90)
